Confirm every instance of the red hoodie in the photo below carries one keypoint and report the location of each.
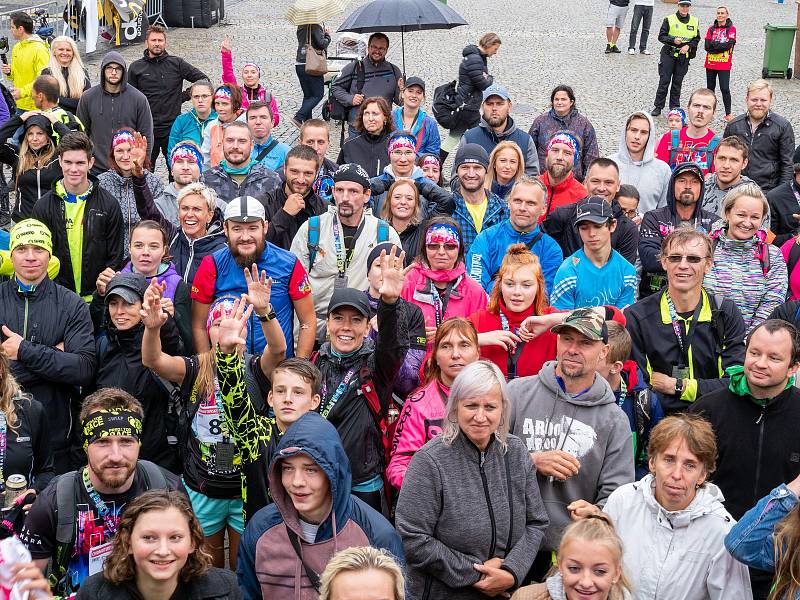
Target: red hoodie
(568, 191)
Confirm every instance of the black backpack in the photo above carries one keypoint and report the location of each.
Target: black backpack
(445, 104)
(333, 110)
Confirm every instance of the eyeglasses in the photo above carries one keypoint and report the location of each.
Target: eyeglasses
(631, 213)
(379, 48)
(202, 97)
(692, 259)
(114, 68)
(446, 247)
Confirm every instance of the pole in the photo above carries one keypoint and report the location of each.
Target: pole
(403, 45)
(797, 44)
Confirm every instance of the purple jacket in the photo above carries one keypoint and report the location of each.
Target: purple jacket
(547, 124)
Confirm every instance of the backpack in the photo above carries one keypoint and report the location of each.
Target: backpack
(333, 110)
(675, 147)
(10, 102)
(445, 104)
(313, 238)
(67, 486)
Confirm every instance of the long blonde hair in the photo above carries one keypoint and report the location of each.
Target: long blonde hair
(9, 391)
(72, 86)
(787, 556)
(28, 160)
(491, 172)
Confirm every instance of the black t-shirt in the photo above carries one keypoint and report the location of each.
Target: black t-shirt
(28, 452)
(91, 537)
(350, 237)
(206, 430)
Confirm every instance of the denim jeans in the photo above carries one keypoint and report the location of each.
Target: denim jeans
(313, 87)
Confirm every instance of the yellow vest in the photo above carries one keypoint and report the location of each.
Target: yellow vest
(685, 31)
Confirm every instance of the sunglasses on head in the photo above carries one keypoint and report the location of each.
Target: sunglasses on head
(690, 258)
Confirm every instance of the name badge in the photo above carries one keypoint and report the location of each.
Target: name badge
(680, 372)
(98, 556)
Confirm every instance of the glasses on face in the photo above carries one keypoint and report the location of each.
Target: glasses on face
(692, 259)
(446, 247)
(631, 213)
(403, 153)
(378, 49)
(201, 97)
(113, 68)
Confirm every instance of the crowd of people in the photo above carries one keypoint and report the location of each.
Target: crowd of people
(557, 374)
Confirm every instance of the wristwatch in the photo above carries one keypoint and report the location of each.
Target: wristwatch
(679, 385)
(267, 317)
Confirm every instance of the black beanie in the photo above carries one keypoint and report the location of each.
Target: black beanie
(376, 252)
(471, 153)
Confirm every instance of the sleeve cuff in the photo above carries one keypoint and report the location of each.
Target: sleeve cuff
(508, 569)
(690, 391)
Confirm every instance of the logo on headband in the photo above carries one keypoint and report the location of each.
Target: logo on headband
(111, 422)
(442, 233)
(122, 137)
(186, 151)
(223, 93)
(402, 141)
(568, 140)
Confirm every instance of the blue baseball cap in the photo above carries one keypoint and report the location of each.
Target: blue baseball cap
(496, 90)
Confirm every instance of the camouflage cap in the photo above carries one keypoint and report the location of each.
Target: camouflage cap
(587, 322)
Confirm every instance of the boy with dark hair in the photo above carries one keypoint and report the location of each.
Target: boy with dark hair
(634, 397)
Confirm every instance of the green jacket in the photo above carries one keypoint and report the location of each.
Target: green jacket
(28, 58)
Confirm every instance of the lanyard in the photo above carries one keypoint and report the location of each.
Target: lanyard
(342, 261)
(220, 409)
(513, 357)
(440, 301)
(623, 391)
(3, 447)
(337, 395)
(684, 343)
(109, 520)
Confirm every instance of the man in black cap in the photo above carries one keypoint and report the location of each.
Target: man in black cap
(684, 199)
(477, 208)
(411, 116)
(596, 275)
(334, 246)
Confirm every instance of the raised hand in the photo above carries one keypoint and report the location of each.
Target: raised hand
(259, 289)
(226, 45)
(233, 326)
(152, 312)
(105, 276)
(138, 152)
(505, 339)
(392, 277)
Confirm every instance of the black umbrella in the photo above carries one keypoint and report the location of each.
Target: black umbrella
(402, 16)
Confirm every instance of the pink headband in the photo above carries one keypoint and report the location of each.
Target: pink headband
(221, 308)
(187, 151)
(442, 233)
(431, 160)
(568, 140)
(223, 93)
(122, 137)
(402, 141)
(252, 64)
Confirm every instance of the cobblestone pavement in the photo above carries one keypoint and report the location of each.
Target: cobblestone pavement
(545, 43)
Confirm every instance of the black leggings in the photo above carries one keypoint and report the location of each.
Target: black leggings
(724, 85)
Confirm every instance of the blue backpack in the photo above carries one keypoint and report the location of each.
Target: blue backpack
(313, 238)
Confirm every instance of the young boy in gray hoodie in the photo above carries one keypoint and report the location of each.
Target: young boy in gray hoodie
(578, 437)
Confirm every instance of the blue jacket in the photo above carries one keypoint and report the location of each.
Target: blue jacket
(751, 540)
(188, 126)
(268, 565)
(429, 141)
(489, 248)
(484, 135)
(275, 158)
(496, 212)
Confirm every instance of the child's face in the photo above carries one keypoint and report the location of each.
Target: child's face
(589, 570)
(290, 397)
(675, 122)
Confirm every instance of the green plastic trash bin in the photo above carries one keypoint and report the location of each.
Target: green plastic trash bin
(778, 50)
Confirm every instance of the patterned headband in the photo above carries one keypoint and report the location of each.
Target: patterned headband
(568, 140)
(122, 137)
(184, 151)
(223, 93)
(402, 141)
(431, 160)
(252, 64)
(223, 307)
(442, 233)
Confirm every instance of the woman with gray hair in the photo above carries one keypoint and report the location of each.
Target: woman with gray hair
(747, 269)
(470, 513)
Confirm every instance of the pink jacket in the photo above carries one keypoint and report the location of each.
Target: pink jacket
(420, 422)
(229, 77)
(466, 297)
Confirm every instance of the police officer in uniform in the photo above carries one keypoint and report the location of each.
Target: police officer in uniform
(680, 34)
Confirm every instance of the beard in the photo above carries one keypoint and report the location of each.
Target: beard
(686, 199)
(113, 480)
(495, 121)
(557, 171)
(246, 260)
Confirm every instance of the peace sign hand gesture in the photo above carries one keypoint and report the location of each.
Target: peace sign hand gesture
(231, 326)
(259, 288)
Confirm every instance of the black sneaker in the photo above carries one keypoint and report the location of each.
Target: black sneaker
(655, 112)
(608, 49)
(615, 50)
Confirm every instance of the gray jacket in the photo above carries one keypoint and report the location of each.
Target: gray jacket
(713, 196)
(380, 79)
(259, 182)
(590, 426)
(459, 506)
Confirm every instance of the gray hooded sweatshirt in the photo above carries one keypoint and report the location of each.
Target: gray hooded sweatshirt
(649, 176)
(102, 112)
(589, 426)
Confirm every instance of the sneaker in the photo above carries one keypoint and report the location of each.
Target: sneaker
(631, 51)
(608, 49)
(646, 51)
(727, 118)
(656, 111)
(296, 123)
(615, 50)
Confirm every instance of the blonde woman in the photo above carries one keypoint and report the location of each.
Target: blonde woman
(506, 166)
(22, 418)
(362, 572)
(67, 67)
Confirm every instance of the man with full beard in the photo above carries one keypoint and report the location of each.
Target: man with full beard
(74, 519)
(563, 151)
(295, 202)
(221, 274)
(497, 126)
(239, 174)
(684, 199)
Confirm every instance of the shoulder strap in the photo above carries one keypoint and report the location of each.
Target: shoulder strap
(313, 240)
(360, 76)
(313, 577)
(383, 231)
(66, 504)
(266, 150)
(712, 146)
(535, 239)
(674, 145)
(154, 477)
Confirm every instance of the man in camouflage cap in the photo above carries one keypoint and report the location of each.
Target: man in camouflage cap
(579, 439)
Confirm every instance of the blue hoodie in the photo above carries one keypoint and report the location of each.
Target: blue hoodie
(267, 563)
(430, 142)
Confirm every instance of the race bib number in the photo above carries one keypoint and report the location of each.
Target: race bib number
(97, 557)
(209, 426)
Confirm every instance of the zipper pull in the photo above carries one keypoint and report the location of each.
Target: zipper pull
(760, 417)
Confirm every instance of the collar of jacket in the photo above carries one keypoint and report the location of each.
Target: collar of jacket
(738, 386)
(158, 58)
(470, 446)
(344, 362)
(703, 317)
(38, 290)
